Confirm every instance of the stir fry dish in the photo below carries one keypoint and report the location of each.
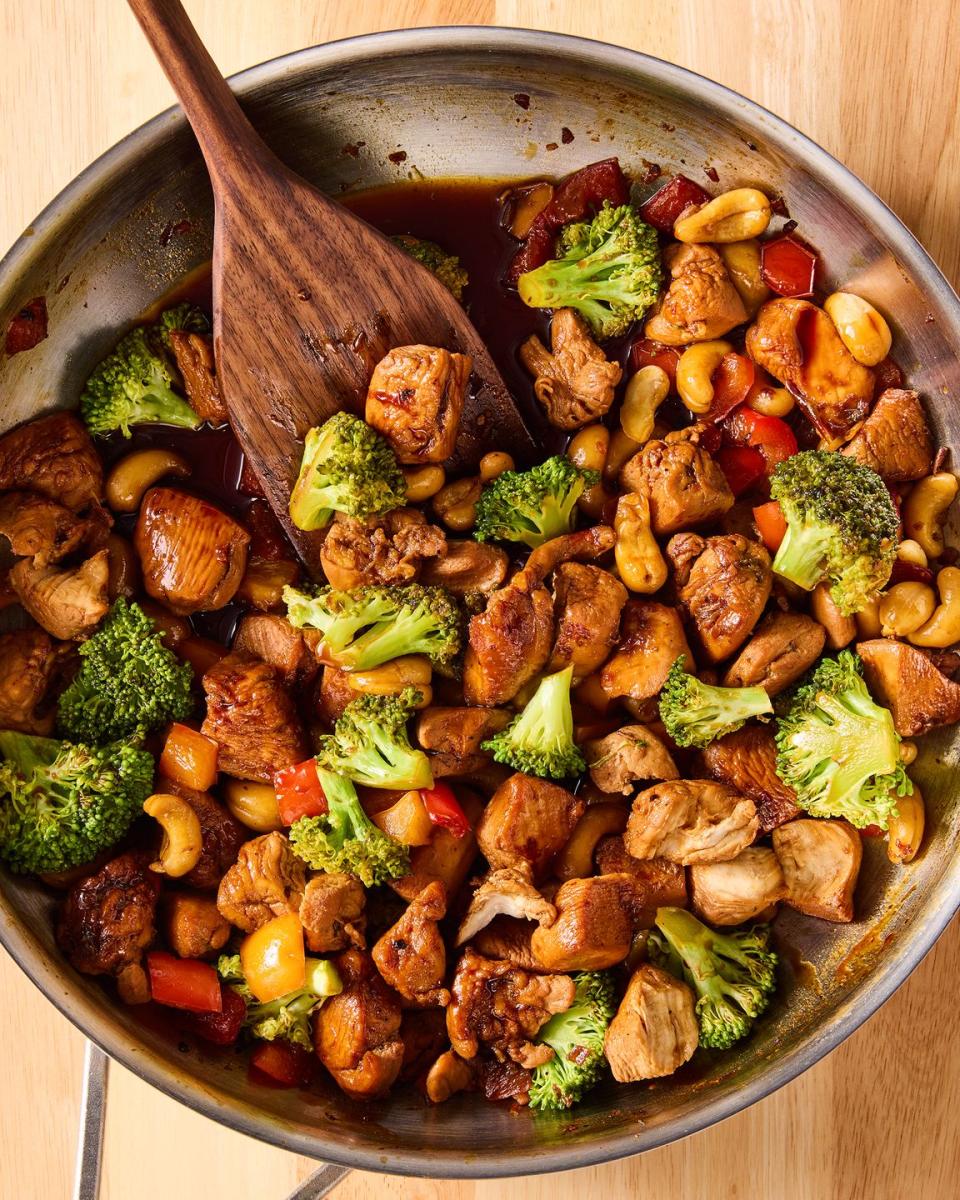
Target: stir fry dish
(508, 799)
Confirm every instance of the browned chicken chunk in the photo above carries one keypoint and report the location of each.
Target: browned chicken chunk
(783, 646)
(682, 482)
(411, 955)
(690, 821)
(501, 1007)
(651, 640)
(746, 760)
(798, 344)
(746, 887)
(509, 642)
(454, 735)
(266, 881)
(509, 939)
(222, 836)
(587, 602)
(55, 457)
(107, 919)
(448, 1075)
(508, 892)
(252, 718)
(39, 528)
(527, 821)
(332, 913)
(656, 882)
(895, 440)
(723, 584)
(655, 1028)
(820, 861)
(574, 381)
(31, 665)
(467, 568)
(192, 925)
(193, 556)
(67, 603)
(356, 1034)
(384, 550)
(594, 925)
(273, 640)
(908, 682)
(632, 753)
(193, 353)
(700, 303)
(415, 400)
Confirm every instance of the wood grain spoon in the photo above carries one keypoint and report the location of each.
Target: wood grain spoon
(307, 297)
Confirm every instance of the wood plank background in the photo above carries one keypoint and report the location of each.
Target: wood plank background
(875, 81)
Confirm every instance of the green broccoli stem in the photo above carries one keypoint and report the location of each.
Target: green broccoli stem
(344, 811)
(161, 405)
(802, 555)
(406, 634)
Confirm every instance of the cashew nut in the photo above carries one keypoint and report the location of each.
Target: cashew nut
(771, 401)
(646, 391)
(911, 552)
(695, 373)
(925, 511)
(423, 482)
(841, 630)
(123, 568)
(733, 216)
(862, 329)
(908, 752)
(905, 607)
(742, 260)
(390, 679)
(133, 475)
(182, 836)
(905, 828)
(253, 804)
(639, 561)
(868, 619)
(943, 628)
(456, 503)
(588, 449)
(494, 464)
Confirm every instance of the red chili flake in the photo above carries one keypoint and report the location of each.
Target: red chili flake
(398, 156)
(522, 99)
(174, 229)
(888, 375)
(940, 461)
(566, 136)
(352, 149)
(28, 328)
(712, 174)
(778, 206)
(551, 146)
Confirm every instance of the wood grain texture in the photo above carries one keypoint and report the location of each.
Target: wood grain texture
(876, 82)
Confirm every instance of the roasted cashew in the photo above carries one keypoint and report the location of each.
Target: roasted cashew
(182, 836)
(646, 391)
(695, 373)
(423, 482)
(733, 216)
(253, 804)
(862, 329)
(133, 475)
(925, 510)
(639, 561)
(905, 829)
(943, 628)
(905, 607)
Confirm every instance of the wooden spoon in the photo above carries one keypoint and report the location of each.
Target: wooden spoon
(307, 298)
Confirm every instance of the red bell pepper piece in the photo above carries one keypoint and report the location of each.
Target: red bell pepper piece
(645, 353)
(908, 572)
(663, 208)
(28, 327)
(788, 266)
(772, 437)
(281, 1064)
(576, 196)
(732, 380)
(222, 1028)
(184, 983)
(444, 809)
(888, 375)
(770, 524)
(742, 465)
(299, 793)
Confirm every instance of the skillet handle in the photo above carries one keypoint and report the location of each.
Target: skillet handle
(321, 1183)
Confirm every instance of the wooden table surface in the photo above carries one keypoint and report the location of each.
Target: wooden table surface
(875, 82)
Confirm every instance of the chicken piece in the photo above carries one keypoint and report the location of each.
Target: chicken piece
(507, 892)
(587, 602)
(192, 925)
(448, 1075)
(66, 603)
(273, 640)
(31, 666)
(252, 718)
(39, 528)
(909, 683)
(723, 584)
(746, 760)
(456, 734)
(656, 882)
(632, 753)
(423, 1032)
(574, 381)
(193, 556)
(222, 835)
(527, 821)
(384, 550)
(267, 881)
(743, 889)
(504, 1081)
(654, 1031)
(651, 640)
(781, 649)
(895, 440)
(411, 955)
(193, 354)
(683, 484)
(499, 1006)
(332, 695)
(356, 1033)
(820, 861)
(332, 913)
(467, 568)
(55, 457)
(594, 925)
(690, 821)
(415, 400)
(508, 939)
(700, 303)
(509, 642)
(107, 919)
(798, 344)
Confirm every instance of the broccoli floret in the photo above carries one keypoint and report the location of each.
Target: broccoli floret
(186, 317)
(371, 625)
(696, 713)
(608, 269)
(288, 1017)
(838, 750)
(532, 506)
(128, 680)
(576, 1038)
(445, 266)
(347, 467)
(841, 526)
(733, 975)
(62, 803)
(540, 740)
(369, 744)
(135, 385)
(344, 838)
